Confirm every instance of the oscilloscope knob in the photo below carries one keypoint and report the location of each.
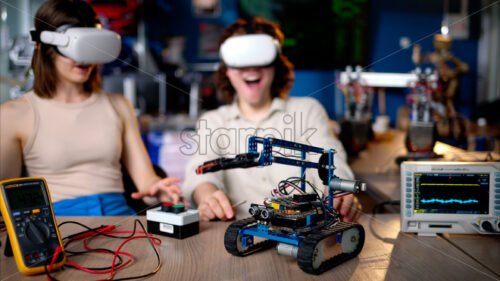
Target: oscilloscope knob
(37, 232)
(487, 226)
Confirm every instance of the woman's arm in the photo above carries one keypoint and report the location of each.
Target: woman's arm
(136, 159)
(16, 122)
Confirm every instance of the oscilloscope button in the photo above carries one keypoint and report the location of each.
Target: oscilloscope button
(408, 173)
(408, 190)
(497, 180)
(408, 206)
(497, 174)
(497, 207)
(497, 201)
(408, 200)
(408, 195)
(497, 196)
(408, 213)
(408, 184)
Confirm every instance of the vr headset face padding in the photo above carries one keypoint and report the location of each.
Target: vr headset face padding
(251, 50)
(86, 45)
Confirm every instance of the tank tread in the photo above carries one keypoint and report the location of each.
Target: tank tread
(307, 247)
(232, 235)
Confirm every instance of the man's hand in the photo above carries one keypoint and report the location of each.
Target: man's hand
(348, 206)
(166, 190)
(212, 203)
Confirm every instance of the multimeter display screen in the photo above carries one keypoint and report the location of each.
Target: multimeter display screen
(451, 193)
(27, 195)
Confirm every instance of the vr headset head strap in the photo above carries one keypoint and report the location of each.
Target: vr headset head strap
(35, 35)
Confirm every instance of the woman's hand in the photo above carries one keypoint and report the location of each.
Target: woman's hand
(166, 190)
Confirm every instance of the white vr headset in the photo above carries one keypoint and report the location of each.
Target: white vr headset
(250, 50)
(86, 45)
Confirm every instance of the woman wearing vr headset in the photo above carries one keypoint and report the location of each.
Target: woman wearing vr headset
(256, 77)
(70, 132)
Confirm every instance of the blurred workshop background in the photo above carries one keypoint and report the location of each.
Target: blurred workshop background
(170, 52)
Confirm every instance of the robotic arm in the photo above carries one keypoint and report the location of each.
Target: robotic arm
(245, 160)
(253, 158)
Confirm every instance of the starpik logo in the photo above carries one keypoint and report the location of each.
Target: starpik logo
(221, 141)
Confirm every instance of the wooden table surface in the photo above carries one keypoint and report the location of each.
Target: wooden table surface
(388, 254)
(377, 166)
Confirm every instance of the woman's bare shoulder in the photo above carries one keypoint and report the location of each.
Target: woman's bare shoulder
(16, 118)
(16, 109)
(118, 100)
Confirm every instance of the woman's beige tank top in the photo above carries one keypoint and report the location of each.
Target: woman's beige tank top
(76, 147)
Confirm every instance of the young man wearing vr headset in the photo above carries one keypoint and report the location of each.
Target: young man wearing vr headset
(70, 132)
(257, 78)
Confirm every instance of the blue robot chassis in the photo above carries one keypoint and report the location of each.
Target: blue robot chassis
(304, 226)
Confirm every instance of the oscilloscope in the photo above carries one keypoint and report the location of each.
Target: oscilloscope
(450, 197)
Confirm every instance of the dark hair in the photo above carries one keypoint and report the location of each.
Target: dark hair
(51, 15)
(283, 77)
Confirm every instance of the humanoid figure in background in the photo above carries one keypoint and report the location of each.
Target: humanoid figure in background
(451, 128)
(449, 68)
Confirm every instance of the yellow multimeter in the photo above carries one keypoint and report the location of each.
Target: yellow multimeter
(27, 211)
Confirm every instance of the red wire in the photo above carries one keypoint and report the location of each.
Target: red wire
(94, 232)
(342, 195)
(124, 242)
(108, 230)
(102, 251)
(99, 251)
(57, 251)
(54, 257)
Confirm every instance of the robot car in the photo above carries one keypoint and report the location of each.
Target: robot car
(300, 224)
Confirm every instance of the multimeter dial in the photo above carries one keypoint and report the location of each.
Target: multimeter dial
(37, 232)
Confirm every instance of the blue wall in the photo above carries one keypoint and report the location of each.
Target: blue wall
(418, 20)
(318, 84)
(389, 21)
(176, 18)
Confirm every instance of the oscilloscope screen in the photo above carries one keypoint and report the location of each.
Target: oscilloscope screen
(451, 193)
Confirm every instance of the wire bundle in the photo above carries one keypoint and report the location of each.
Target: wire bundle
(294, 182)
(118, 262)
